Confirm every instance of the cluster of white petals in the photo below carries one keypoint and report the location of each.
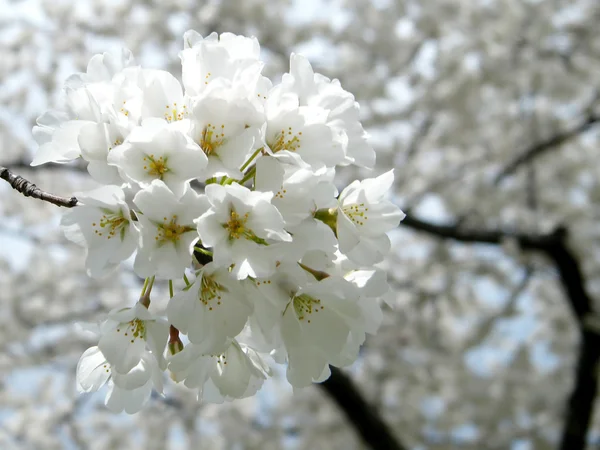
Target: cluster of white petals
(227, 182)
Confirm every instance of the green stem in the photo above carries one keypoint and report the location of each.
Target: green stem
(150, 284)
(203, 251)
(171, 288)
(250, 174)
(185, 278)
(144, 287)
(254, 155)
(147, 288)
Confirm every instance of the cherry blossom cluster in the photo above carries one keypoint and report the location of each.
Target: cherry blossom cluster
(224, 183)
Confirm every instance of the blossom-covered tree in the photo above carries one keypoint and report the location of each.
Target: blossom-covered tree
(486, 111)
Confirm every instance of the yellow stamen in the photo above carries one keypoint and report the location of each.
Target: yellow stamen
(170, 231)
(286, 140)
(156, 167)
(237, 226)
(357, 213)
(110, 224)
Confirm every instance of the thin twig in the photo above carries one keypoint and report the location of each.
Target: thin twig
(28, 189)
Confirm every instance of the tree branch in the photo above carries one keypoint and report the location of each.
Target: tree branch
(28, 189)
(580, 406)
(362, 416)
(541, 147)
(454, 232)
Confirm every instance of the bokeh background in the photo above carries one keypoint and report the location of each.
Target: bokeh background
(487, 110)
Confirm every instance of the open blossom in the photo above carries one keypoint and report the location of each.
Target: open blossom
(162, 96)
(292, 128)
(226, 128)
(131, 333)
(226, 183)
(363, 218)
(298, 190)
(167, 229)
(239, 225)
(90, 97)
(316, 90)
(158, 150)
(57, 138)
(128, 392)
(104, 225)
(212, 311)
(310, 318)
(227, 60)
(238, 372)
(316, 326)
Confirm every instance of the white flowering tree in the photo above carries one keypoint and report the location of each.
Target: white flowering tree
(229, 255)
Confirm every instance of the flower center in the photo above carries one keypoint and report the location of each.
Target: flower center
(124, 110)
(212, 139)
(156, 167)
(173, 113)
(286, 141)
(357, 213)
(110, 224)
(236, 226)
(117, 142)
(170, 231)
(210, 290)
(305, 305)
(134, 329)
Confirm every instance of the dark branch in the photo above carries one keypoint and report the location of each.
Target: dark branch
(554, 245)
(28, 189)
(541, 147)
(363, 416)
(528, 241)
(580, 407)
(581, 403)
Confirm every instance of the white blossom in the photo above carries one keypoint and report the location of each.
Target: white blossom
(363, 218)
(167, 229)
(298, 190)
(226, 59)
(104, 225)
(129, 334)
(238, 372)
(158, 150)
(129, 392)
(316, 326)
(301, 130)
(317, 90)
(239, 225)
(212, 311)
(226, 127)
